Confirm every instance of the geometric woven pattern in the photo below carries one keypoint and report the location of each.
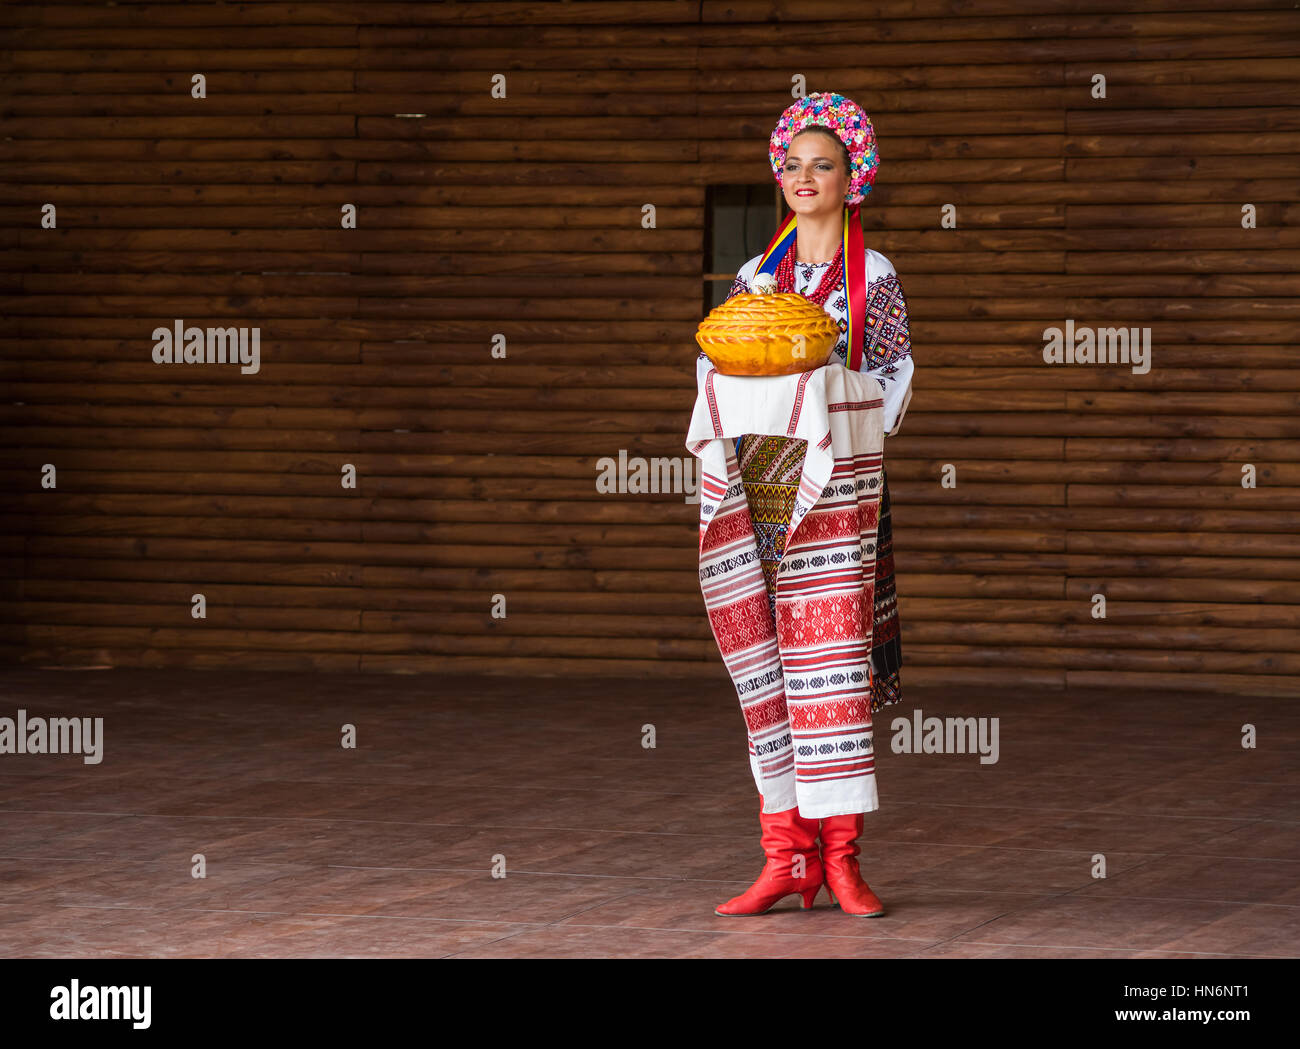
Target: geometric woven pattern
(771, 467)
(887, 335)
(801, 662)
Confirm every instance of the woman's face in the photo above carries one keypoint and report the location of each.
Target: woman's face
(814, 179)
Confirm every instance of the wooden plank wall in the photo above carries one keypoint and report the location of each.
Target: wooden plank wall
(522, 216)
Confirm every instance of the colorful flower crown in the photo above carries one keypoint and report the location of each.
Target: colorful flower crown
(844, 118)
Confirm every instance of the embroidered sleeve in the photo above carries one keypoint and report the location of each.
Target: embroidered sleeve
(887, 350)
(886, 335)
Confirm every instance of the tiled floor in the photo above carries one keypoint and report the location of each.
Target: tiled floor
(612, 850)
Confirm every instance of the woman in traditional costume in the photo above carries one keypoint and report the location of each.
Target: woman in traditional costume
(824, 156)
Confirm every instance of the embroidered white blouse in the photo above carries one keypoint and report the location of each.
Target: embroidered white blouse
(887, 350)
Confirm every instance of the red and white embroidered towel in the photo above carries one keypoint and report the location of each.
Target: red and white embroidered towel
(803, 682)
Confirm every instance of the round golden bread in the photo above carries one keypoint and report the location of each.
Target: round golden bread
(777, 334)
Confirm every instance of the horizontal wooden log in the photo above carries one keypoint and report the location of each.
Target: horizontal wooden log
(670, 364)
(668, 475)
(298, 125)
(1174, 450)
(1219, 370)
(440, 195)
(1277, 545)
(1083, 216)
(1278, 499)
(1129, 644)
(480, 631)
(50, 615)
(651, 364)
(1085, 657)
(1237, 186)
(588, 16)
(51, 136)
(269, 600)
(1279, 686)
(148, 215)
(1228, 495)
(593, 17)
(1084, 424)
(631, 239)
(636, 55)
(1179, 262)
(929, 319)
(1168, 167)
(1201, 71)
(402, 588)
(920, 286)
(1138, 625)
(331, 264)
(273, 557)
(214, 638)
(1181, 403)
(598, 419)
(1241, 188)
(67, 657)
(1266, 570)
(1265, 117)
(932, 597)
(1169, 615)
(644, 172)
(390, 520)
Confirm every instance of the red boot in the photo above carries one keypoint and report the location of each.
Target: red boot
(839, 862)
(785, 836)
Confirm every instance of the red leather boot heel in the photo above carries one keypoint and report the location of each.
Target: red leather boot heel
(786, 835)
(840, 866)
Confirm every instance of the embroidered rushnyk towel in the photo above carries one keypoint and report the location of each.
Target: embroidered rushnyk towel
(803, 681)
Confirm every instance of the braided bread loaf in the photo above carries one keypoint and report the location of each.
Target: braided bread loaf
(777, 334)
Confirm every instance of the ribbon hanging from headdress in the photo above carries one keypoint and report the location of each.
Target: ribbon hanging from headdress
(855, 272)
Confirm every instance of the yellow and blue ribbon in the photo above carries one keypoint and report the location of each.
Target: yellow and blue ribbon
(855, 275)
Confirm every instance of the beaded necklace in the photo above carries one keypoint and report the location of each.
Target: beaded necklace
(832, 279)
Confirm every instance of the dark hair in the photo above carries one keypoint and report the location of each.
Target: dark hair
(829, 133)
